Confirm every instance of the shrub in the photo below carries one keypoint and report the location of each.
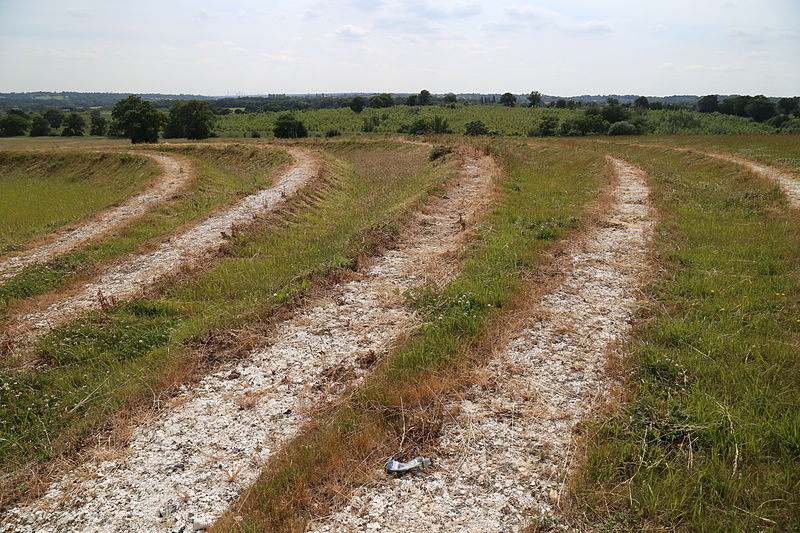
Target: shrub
(622, 127)
(255, 135)
(289, 127)
(476, 127)
(332, 133)
(40, 126)
(438, 151)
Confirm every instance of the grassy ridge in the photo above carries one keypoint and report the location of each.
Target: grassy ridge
(401, 402)
(505, 120)
(40, 192)
(710, 437)
(223, 173)
(103, 361)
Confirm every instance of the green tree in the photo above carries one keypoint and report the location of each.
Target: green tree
(13, 125)
(424, 97)
(708, 104)
(548, 126)
(789, 106)
(642, 103)
(192, 119)
(622, 128)
(508, 100)
(614, 113)
(289, 127)
(759, 108)
(476, 127)
(450, 98)
(357, 104)
(98, 125)
(612, 101)
(40, 127)
(411, 100)
(381, 100)
(136, 119)
(55, 117)
(534, 99)
(74, 125)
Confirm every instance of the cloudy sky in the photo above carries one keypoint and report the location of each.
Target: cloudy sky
(564, 47)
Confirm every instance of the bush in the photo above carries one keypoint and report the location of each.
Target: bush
(333, 133)
(40, 126)
(622, 128)
(438, 151)
(476, 127)
(255, 135)
(289, 127)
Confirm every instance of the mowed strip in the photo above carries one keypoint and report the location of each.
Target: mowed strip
(186, 467)
(176, 174)
(504, 454)
(127, 277)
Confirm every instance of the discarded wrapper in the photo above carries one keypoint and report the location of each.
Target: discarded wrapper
(414, 465)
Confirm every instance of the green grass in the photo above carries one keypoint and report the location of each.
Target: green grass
(40, 192)
(223, 174)
(546, 187)
(105, 361)
(498, 118)
(710, 437)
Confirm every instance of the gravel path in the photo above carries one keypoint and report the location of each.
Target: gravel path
(184, 469)
(127, 276)
(176, 173)
(504, 455)
(789, 182)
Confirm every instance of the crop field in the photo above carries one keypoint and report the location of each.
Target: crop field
(579, 333)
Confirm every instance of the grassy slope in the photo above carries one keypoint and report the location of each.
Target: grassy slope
(543, 198)
(223, 173)
(40, 192)
(709, 439)
(103, 361)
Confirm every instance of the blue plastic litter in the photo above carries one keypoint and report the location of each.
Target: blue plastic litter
(415, 465)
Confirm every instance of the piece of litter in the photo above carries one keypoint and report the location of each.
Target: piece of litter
(414, 465)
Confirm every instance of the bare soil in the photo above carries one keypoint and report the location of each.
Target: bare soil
(504, 455)
(184, 467)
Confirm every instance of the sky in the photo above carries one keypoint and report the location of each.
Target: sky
(564, 47)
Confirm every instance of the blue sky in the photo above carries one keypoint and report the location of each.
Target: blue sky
(567, 47)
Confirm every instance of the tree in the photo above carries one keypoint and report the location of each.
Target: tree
(476, 127)
(381, 100)
(548, 126)
(612, 101)
(55, 117)
(450, 98)
(357, 104)
(192, 119)
(708, 104)
(534, 99)
(424, 97)
(98, 124)
(13, 124)
(642, 103)
(759, 108)
(136, 119)
(508, 100)
(622, 128)
(411, 100)
(614, 113)
(74, 125)
(789, 106)
(288, 127)
(40, 127)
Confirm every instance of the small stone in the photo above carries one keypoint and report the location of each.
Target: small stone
(199, 526)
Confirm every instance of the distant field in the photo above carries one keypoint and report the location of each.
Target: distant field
(42, 192)
(501, 119)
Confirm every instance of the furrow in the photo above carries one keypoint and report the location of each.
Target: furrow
(185, 468)
(504, 453)
(176, 173)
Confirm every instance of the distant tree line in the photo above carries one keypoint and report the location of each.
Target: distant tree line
(759, 108)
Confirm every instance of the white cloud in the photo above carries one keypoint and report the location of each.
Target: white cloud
(592, 26)
(349, 32)
(79, 12)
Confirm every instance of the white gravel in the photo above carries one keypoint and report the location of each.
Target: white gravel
(504, 456)
(176, 173)
(206, 446)
(128, 276)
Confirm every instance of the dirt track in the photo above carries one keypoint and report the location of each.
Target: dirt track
(208, 444)
(176, 174)
(790, 183)
(128, 276)
(505, 453)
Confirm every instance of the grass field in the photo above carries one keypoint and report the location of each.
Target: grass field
(39, 193)
(126, 354)
(705, 435)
